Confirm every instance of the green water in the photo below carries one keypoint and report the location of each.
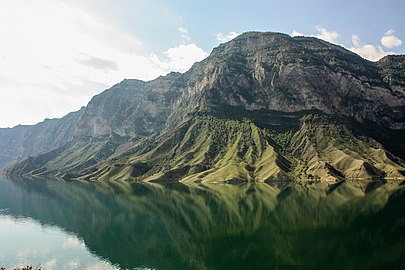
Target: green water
(74, 225)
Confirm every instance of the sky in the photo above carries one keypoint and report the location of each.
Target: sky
(56, 54)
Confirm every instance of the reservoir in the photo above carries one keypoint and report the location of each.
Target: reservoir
(354, 224)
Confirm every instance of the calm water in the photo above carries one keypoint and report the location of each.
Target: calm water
(74, 225)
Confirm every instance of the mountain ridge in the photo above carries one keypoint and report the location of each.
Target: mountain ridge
(273, 80)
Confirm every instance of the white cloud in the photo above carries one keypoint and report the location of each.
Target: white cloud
(180, 58)
(296, 34)
(51, 264)
(102, 265)
(184, 33)
(221, 37)
(97, 63)
(72, 264)
(325, 34)
(55, 56)
(389, 40)
(73, 242)
(368, 51)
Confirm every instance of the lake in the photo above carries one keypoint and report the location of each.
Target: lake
(79, 225)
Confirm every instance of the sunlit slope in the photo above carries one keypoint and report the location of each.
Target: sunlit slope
(327, 150)
(209, 149)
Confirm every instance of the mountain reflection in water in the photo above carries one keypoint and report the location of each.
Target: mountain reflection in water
(350, 225)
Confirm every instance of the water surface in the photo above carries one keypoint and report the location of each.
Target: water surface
(75, 225)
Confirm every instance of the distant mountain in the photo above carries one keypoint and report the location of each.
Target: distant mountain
(262, 107)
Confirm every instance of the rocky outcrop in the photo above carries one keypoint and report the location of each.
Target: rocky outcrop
(277, 72)
(132, 107)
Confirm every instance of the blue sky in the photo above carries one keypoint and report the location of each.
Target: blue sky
(368, 19)
(56, 54)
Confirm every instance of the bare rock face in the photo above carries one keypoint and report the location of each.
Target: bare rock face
(275, 81)
(276, 72)
(131, 107)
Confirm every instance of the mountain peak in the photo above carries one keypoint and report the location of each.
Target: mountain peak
(282, 48)
(274, 71)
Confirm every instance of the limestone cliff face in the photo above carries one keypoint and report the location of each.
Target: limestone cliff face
(277, 72)
(271, 79)
(131, 107)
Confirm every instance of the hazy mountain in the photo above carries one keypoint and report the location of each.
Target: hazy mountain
(263, 106)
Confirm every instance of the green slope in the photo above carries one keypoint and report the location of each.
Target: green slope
(210, 149)
(206, 149)
(328, 150)
(69, 159)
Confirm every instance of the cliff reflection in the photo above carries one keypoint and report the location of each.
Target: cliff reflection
(352, 225)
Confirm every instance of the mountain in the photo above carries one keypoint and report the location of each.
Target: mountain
(262, 107)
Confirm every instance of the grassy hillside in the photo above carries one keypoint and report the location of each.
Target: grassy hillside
(329, 150)
(206, 149)
(209, 149)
